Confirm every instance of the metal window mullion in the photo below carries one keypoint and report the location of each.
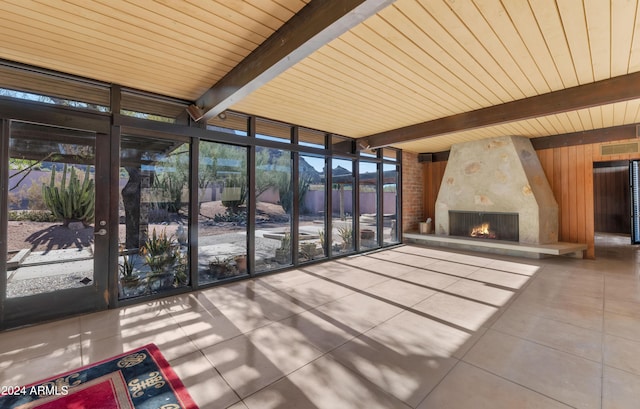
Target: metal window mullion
(380, 199)
(355, 192)
(194, 166)
(399, 198)
(4, 169)
(328, 207)
(251, 205)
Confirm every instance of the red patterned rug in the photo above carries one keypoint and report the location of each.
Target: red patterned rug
(140, 379)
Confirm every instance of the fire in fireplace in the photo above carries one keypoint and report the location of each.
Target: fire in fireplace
(497, 226)
(483, 231)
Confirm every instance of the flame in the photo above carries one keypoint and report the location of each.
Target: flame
(482, 231)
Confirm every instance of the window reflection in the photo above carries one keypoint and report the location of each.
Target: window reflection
(222, 212)
(368, 212)
(342, 210)
(274, 204)
(154, 214)
(312, 223)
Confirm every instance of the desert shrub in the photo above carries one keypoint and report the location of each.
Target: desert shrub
(230, 216)
(31, 216)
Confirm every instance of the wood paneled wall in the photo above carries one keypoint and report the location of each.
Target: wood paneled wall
(433, 173)
(569, 170)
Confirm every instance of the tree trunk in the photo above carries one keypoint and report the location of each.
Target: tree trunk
(131, 200)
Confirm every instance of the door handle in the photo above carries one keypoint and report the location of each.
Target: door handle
(101, 232)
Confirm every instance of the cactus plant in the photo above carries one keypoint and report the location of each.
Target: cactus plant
(72, 200)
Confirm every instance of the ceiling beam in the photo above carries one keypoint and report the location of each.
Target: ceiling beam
(313, 26)
(609, 91)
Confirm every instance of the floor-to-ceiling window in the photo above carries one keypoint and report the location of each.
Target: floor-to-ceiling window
(342, 206)
(223, 193)
(153, 234)
(390, 197)
(368, 211)
(312, 216)
(179, 206)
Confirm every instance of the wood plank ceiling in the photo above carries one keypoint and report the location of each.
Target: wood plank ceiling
(414, 61)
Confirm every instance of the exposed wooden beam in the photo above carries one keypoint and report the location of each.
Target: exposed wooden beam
(609, 91)
(312, 27)
(593, 136)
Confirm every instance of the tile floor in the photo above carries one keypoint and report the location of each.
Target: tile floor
(409, 327)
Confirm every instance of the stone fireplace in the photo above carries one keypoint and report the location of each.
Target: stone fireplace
(498, 186)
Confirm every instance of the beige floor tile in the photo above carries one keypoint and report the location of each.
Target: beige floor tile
(458, 311)
(40, 340)
(622, 353)
(358, 260)
(526, 268)
(413, 260)
(624, 326)
(453, 268)
(469, 387)
(323, 384)
(335, 266)
(242, 365)
(555, 334)
(389, 268)
(407, 375)
(358, 279)
(501, 278)
(481, 292)
(359, 311)
(411, 333)
(620, 389)
(469, 259)
(286, 280)
(622, 307)
(428, 279)
(245, 314)
(400, 292)
(623, 291)
(172, 341)
(14, 373)
(239, 405)
(563, 286)
(295, 352)
(567, 378)
(318, 292)
(205, 385)
(571, 311)
(128, 321)
(206, 328)
(574, 272)
(323, 331)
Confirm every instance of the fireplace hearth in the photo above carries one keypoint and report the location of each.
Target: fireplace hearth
(484, 225)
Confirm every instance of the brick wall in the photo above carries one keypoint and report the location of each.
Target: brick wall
(412, 192)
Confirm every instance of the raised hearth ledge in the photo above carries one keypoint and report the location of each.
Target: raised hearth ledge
(499, 247)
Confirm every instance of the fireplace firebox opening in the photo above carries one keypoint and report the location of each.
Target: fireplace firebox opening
(481, 225)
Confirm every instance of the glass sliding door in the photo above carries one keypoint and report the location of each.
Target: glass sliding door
(342, 206)
(368, 211)
(274, 190)
(222, 207)
(390, 204)
(154, 215)
(312, 199)
(56, 228)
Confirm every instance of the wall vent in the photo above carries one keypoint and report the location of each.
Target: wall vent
(620, 148)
